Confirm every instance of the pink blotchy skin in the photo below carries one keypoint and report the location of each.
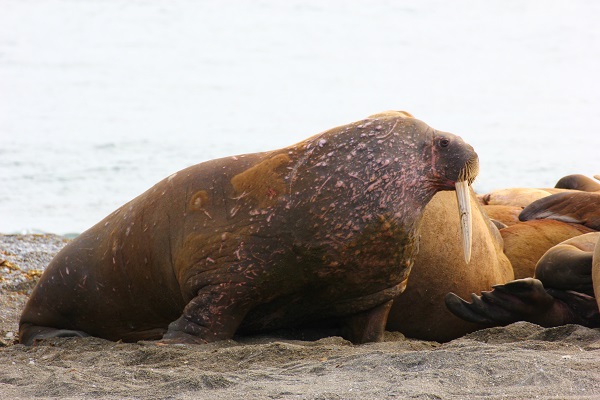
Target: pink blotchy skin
(322, 230)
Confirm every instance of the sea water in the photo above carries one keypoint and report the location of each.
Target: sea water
(101, 99)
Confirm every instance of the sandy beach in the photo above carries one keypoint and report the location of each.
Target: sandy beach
(519, 361)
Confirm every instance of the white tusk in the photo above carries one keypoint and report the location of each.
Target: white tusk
(463, 196)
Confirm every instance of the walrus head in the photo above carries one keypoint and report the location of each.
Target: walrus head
(385, 167)
(455, 167)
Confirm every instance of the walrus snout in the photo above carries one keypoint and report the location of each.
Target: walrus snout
(470, 169)
(455, 159)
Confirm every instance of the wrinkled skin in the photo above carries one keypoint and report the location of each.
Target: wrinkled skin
(561, 292)
(324, 229)
(420, 312)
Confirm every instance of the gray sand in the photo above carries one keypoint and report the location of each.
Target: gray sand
(520, 361)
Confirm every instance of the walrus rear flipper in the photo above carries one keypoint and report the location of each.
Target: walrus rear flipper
(526, 300)
(584, 307)
(28, 333)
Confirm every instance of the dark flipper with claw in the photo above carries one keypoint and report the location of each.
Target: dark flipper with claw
(526, 300)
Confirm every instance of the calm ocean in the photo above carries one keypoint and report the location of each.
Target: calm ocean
(101, 99)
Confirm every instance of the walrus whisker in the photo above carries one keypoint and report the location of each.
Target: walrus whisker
(469, 171)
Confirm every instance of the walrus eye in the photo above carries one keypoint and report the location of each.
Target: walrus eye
(444, 142)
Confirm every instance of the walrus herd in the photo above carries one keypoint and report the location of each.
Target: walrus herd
(355, 228)
(559, 280)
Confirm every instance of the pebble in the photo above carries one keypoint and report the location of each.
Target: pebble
(24, 257)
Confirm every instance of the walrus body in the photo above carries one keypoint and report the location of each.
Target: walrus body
(578, 182)
(516, 197)
(326, 228)
(506, 215)
(561, 292)
(439, 268)
(526, 242)
(567, 275)
(575, 207)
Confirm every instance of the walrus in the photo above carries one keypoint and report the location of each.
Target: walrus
(439, 268)
(526, 242)
(568, 265)
(516, 197)
(506, 215)
(575, 207)
(324, 229)
(578, 182)
(560, 293)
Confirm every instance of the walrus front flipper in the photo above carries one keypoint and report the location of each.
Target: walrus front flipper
(568, 267)
(526, 300)
(468, 311)
(213, 315)
(28, 333)
(367, 326)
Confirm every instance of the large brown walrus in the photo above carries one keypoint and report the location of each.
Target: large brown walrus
(324, 229)
(420, 312)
